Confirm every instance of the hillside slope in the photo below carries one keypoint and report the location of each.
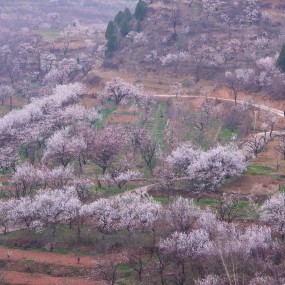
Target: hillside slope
(193, 39)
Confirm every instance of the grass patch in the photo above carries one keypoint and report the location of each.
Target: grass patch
(282, 188)
(255, 169)
(160, 120)
(205, 139)
(161, 199)
(212, 202)
(22, 155)
(95, 242)
(30, 261)
(68, 251)
(125, 270)
(57, 250)
(19, 247)
(206, 202)
(105, 113)
(225, 135)
(3, 196)
(243, 204)
(127, 113)
(63, 234)
(50, 34)
(187, 83)
(112, 191)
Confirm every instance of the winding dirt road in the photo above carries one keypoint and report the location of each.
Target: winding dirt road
(280, 113)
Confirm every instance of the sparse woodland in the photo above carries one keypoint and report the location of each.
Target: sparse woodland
(142, 143)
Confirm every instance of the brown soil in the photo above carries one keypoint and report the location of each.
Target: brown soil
(20, 278)
(122, 118)
(246, 183)
(49, 258)
(224, 92)
(54, 258)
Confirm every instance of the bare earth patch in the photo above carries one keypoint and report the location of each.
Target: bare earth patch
(21, 278)
(55, 258)
(246, 185)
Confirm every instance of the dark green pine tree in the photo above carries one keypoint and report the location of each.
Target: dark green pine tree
(125, 27)
(113, 38)
(140, 11)
(111, 30)
(281, 59)
(128, 14)
(119, 18)
(139, 27)
(112, 45)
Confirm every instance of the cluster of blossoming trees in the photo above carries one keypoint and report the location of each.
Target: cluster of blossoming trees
(233, 42)
(48, 144)
(196, 239)
(57, 137)
(55, 132)
(31, 65)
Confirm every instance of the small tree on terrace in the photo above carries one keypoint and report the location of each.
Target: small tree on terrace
(166, 178)
(106, 146)
(213, 167)
(255, 144)
(6, 91)
(180, 248)
(6, 219)
(269, 120)
(280, 148)
(118, 90)
(120, 172)
(136, 260)
(237, 80)
(281, 59)
(63, 148)
(175, 19)
(182, 215)
(148, 150)
(273, 210)
(108, 271)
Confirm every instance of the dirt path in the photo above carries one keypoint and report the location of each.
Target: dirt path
(51, 257)
(217, 133)
(57, 259)
(21, 278)
(279, 113)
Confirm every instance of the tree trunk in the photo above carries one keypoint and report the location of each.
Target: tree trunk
(80, 165)
(235, 95)
(78, 231)
(11, 103)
